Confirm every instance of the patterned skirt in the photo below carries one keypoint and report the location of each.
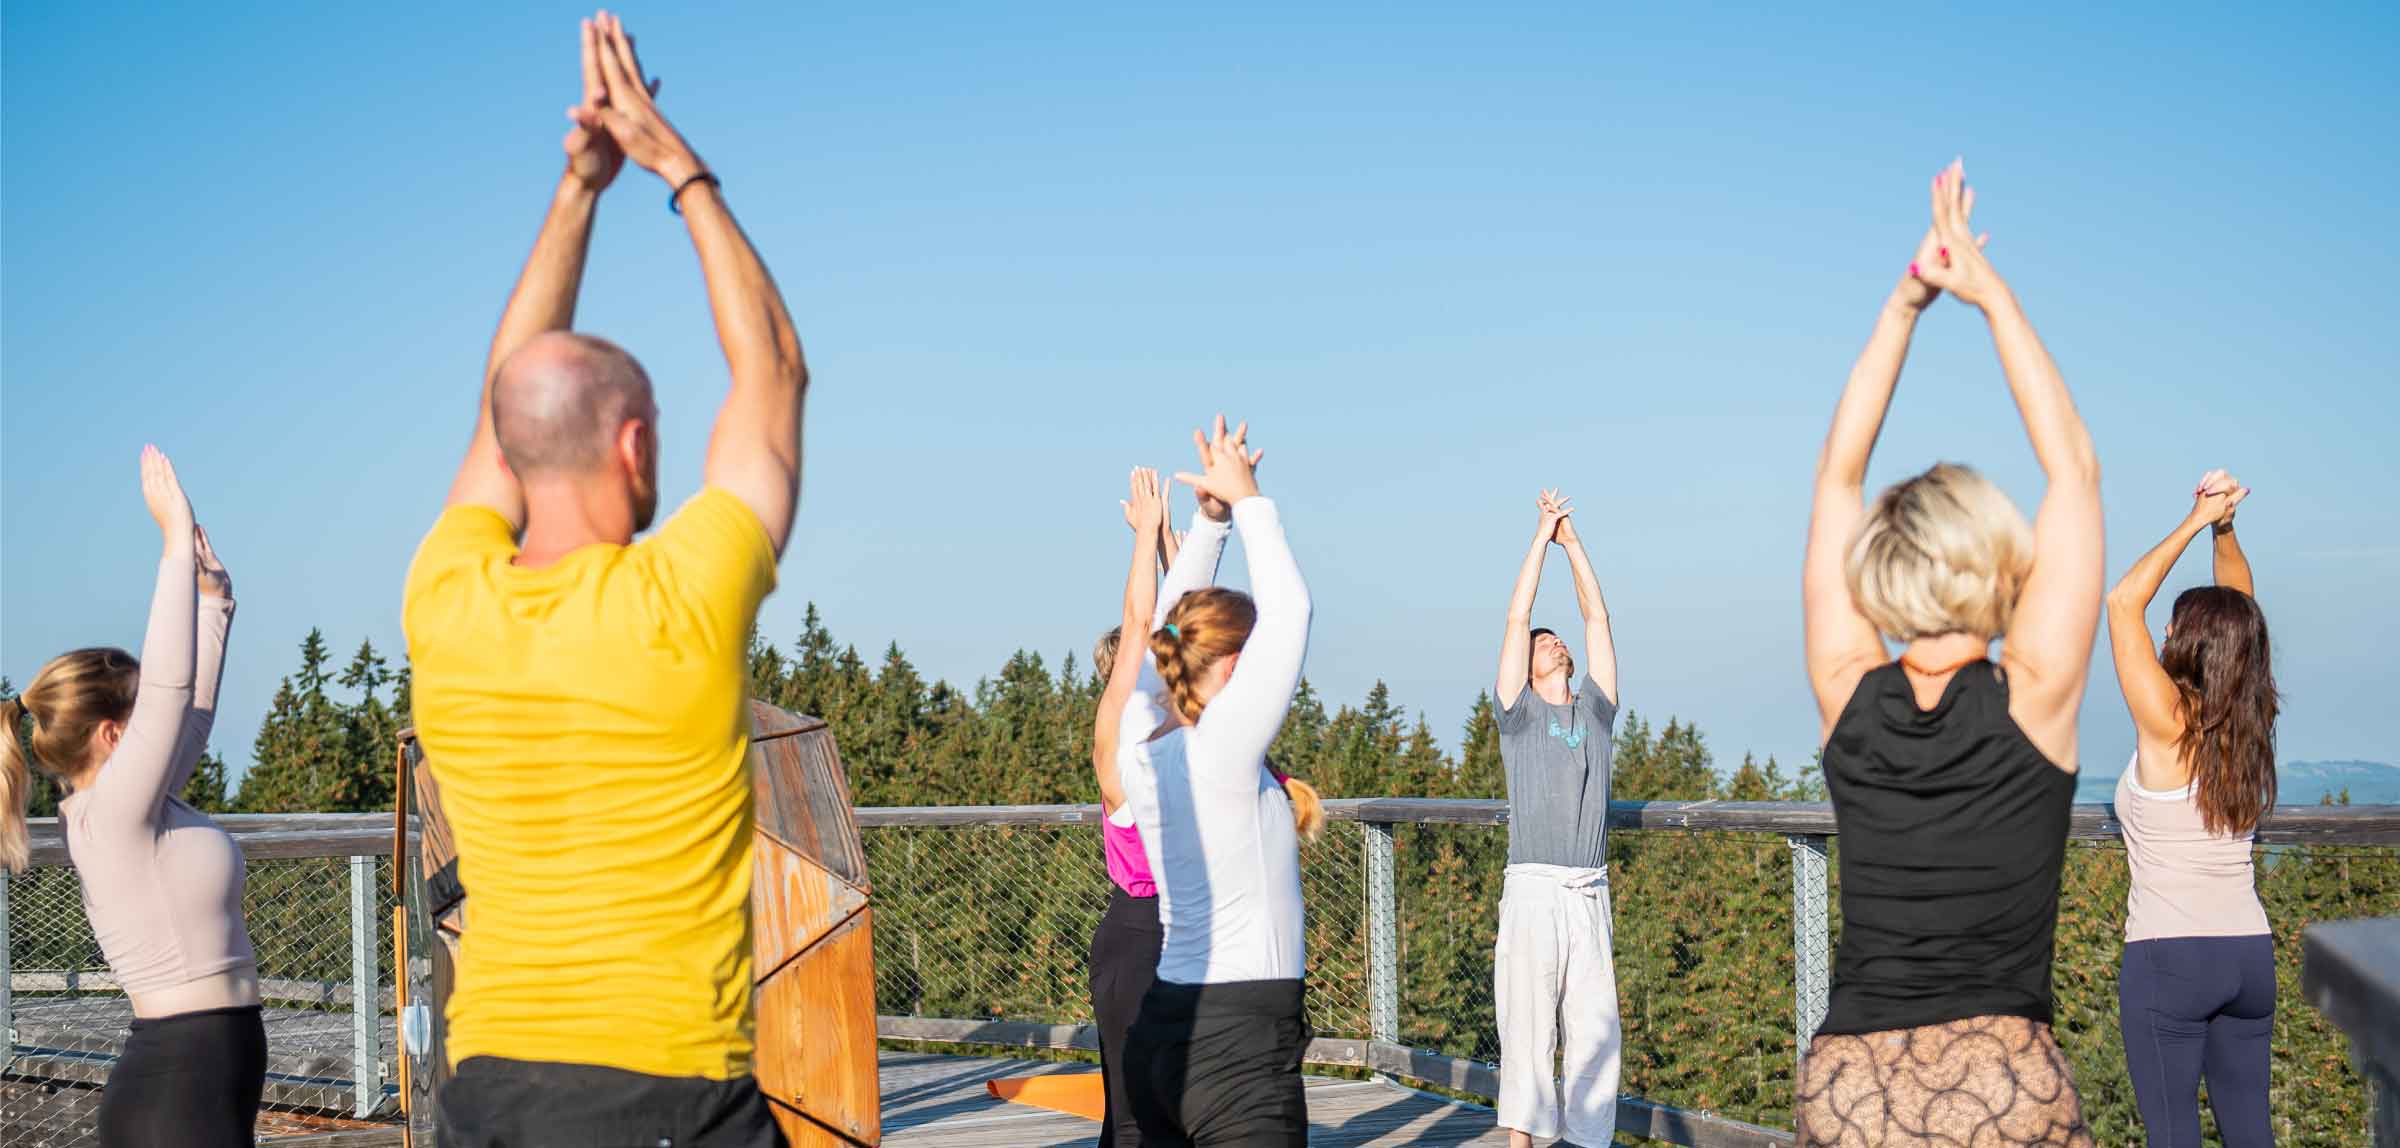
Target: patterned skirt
(1983, 1082)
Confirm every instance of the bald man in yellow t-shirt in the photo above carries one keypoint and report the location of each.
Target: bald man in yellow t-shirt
(581, 696)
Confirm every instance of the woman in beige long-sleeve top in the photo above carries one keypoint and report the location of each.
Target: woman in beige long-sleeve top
(162, 883)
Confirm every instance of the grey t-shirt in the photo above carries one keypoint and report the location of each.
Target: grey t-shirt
(1557, 759)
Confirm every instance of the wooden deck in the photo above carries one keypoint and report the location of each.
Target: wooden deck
(929, 1100)
(935, 1101)
(65, 1046)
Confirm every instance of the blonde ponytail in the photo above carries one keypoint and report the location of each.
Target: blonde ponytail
(68, 701)
(1308, 808)
(16, 783)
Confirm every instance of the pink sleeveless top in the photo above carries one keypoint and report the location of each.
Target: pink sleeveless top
(1128, 866)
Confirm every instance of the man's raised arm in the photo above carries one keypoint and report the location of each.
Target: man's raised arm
(1599, 642)
(1516, 642)
(544, 299)
(754, 452)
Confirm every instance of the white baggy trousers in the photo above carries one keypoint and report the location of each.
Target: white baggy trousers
(1556, 990)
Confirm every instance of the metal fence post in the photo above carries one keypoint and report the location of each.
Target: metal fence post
(1811, 962)
(8, 1013)
(1383, 940)
(366, 997)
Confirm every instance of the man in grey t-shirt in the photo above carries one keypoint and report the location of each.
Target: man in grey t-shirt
(1553, 978)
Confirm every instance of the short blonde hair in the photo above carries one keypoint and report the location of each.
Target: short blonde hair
(1945, 552)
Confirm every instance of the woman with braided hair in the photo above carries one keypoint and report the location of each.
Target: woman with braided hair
(1951, 774)
(1214, 1056)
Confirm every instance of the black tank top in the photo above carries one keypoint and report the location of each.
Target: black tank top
(1953, 829)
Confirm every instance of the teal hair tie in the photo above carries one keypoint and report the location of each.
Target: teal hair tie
(1171, 630)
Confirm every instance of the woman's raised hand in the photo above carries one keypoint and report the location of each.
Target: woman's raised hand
(2216, 496)
(1228, 469)
(1145, 502)
(164, 496)
(207, 571)
(1951, 256)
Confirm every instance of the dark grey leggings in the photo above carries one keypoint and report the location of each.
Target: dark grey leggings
(2193, 1008)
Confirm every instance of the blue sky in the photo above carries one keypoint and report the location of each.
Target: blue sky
(1440, 257)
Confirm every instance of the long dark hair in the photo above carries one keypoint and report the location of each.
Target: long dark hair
(2217, 654)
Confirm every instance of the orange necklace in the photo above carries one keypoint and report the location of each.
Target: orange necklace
(1952, 668)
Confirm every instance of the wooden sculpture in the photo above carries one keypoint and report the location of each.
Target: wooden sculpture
(813, 950)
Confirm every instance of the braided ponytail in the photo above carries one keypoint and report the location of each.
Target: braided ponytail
(1206, 625)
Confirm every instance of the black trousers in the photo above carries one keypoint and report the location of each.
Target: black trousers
(187, 1081)
(1124, 962)
(495, 1103)
(1218, 1066)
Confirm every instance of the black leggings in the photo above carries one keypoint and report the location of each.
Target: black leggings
(1219, 1065)
(1124, 963)
(492, 1102)
(2199, 1006)
(187, 1081)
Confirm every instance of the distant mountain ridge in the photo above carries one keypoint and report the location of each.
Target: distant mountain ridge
(2299, 783)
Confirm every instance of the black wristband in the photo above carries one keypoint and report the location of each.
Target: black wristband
(675, 197)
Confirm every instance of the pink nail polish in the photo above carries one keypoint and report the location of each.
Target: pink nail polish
(1912, 271)
(1945, 253)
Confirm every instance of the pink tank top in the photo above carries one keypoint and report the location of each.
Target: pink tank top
(1128, 866)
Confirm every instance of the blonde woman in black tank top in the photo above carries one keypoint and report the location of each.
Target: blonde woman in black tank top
(1951, 774)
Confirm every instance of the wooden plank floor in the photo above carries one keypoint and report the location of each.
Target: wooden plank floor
(934, 1101)
(929, 1100)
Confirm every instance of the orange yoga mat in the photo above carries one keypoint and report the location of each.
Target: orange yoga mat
(1074, 1093)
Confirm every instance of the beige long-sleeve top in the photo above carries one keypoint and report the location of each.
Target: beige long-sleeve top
(162, 883)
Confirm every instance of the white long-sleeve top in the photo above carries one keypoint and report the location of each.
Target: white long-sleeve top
(1215, 824)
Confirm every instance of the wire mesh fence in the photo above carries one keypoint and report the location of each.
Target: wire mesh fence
(995, 922)
(68, 1017)
(1702, 937)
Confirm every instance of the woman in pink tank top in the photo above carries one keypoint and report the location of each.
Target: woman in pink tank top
(1124, 953)
(2196, 993)
(162, 883)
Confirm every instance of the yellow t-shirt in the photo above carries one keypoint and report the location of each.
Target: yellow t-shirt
(588, 723)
